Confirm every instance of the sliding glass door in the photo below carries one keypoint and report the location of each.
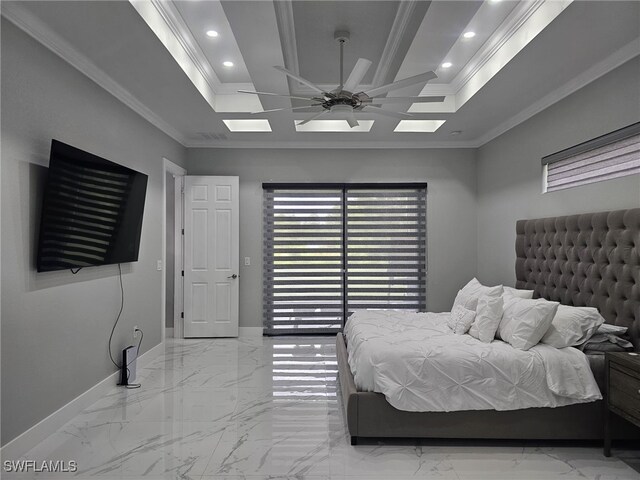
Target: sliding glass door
(386, 243)
(330, 249)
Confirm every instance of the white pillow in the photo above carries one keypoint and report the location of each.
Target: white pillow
(611, 329)
(525, 321)
(472, 291)
(572, 326)
(516, 292)
(488, 316)
(460, 319)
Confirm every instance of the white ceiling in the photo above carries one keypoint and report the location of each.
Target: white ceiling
(155, 56)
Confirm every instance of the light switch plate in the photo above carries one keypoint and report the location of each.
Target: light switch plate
(159, 265)
(247, 261)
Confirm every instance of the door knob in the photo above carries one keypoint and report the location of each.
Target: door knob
(234, 276)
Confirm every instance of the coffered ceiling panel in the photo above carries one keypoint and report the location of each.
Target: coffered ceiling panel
(497, 63)
(202, 17)
(368, 22)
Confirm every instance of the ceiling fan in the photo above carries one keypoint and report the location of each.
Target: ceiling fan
(343, 102)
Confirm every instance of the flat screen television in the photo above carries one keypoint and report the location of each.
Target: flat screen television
(91, 212)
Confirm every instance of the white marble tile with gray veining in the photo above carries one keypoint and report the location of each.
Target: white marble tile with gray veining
(269, 408)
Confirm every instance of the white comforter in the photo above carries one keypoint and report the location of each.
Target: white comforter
(419, 364)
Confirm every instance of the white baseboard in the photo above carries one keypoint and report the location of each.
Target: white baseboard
(169, 332)
(250, 331)
(41, 430)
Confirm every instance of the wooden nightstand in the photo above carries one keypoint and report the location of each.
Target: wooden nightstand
(622, 372)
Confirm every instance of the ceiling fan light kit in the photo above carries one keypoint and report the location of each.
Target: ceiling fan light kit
(343, 102)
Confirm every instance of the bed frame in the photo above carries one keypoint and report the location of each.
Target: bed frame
(581, 260)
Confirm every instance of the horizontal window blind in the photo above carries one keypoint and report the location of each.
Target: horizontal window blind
(386, 249)
(613, 155)
(329, 251)
(303, 261)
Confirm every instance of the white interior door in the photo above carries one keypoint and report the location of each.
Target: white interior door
(211, 256)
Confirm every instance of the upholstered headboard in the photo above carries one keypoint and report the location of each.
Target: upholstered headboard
(589, 260)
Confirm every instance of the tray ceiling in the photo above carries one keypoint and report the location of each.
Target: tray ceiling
(157, 57)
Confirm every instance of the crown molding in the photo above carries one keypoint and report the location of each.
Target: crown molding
(34, 27)
(286, 26)
(621, 56)
(507, 29)
(181, 32)
(515, 33)
(396, 34)
(318, 144)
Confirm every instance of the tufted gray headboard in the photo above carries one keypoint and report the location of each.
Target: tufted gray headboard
(589, 260)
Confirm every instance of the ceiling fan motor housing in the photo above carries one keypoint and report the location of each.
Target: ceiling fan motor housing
(347, 99)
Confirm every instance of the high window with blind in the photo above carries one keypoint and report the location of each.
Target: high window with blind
(616, 154)
(332, 248)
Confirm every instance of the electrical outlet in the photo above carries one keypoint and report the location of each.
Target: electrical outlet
(135, 331)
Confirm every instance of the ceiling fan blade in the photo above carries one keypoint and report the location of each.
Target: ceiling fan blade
(275, 95)
(408, 100)
(422, 78)
(299, 78)
(314, 117)
(357, 74)
(351, 119)
(386, 113)
(285, 109)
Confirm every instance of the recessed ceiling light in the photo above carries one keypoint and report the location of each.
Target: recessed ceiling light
(227, 64)
(469, 34)
(446, 65)
(212, 33)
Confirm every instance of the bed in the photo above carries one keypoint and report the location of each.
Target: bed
(580, 260)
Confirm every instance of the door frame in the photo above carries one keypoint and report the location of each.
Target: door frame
(178, 174)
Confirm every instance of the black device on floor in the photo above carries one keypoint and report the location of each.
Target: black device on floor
(128, 369)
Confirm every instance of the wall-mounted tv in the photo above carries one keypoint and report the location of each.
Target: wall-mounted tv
(91, 211)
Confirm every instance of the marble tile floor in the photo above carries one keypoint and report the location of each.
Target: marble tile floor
(268, 408)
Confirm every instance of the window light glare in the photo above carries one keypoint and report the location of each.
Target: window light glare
(227, 63)
(446, 65)
(469, 34)
(212, 33)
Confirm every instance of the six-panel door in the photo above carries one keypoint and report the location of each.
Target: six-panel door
(211, 256)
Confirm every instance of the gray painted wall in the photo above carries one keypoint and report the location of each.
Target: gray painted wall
(55, 326)
(510, 172)
(170, 258)
(451, 204)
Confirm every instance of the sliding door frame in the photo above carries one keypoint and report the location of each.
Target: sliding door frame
(345, 187)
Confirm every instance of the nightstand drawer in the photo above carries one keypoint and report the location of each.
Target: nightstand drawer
(624, 392)
(624, 380)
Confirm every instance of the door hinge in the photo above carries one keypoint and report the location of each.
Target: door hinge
(183, 231)
(182, 315)
(183, 273)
